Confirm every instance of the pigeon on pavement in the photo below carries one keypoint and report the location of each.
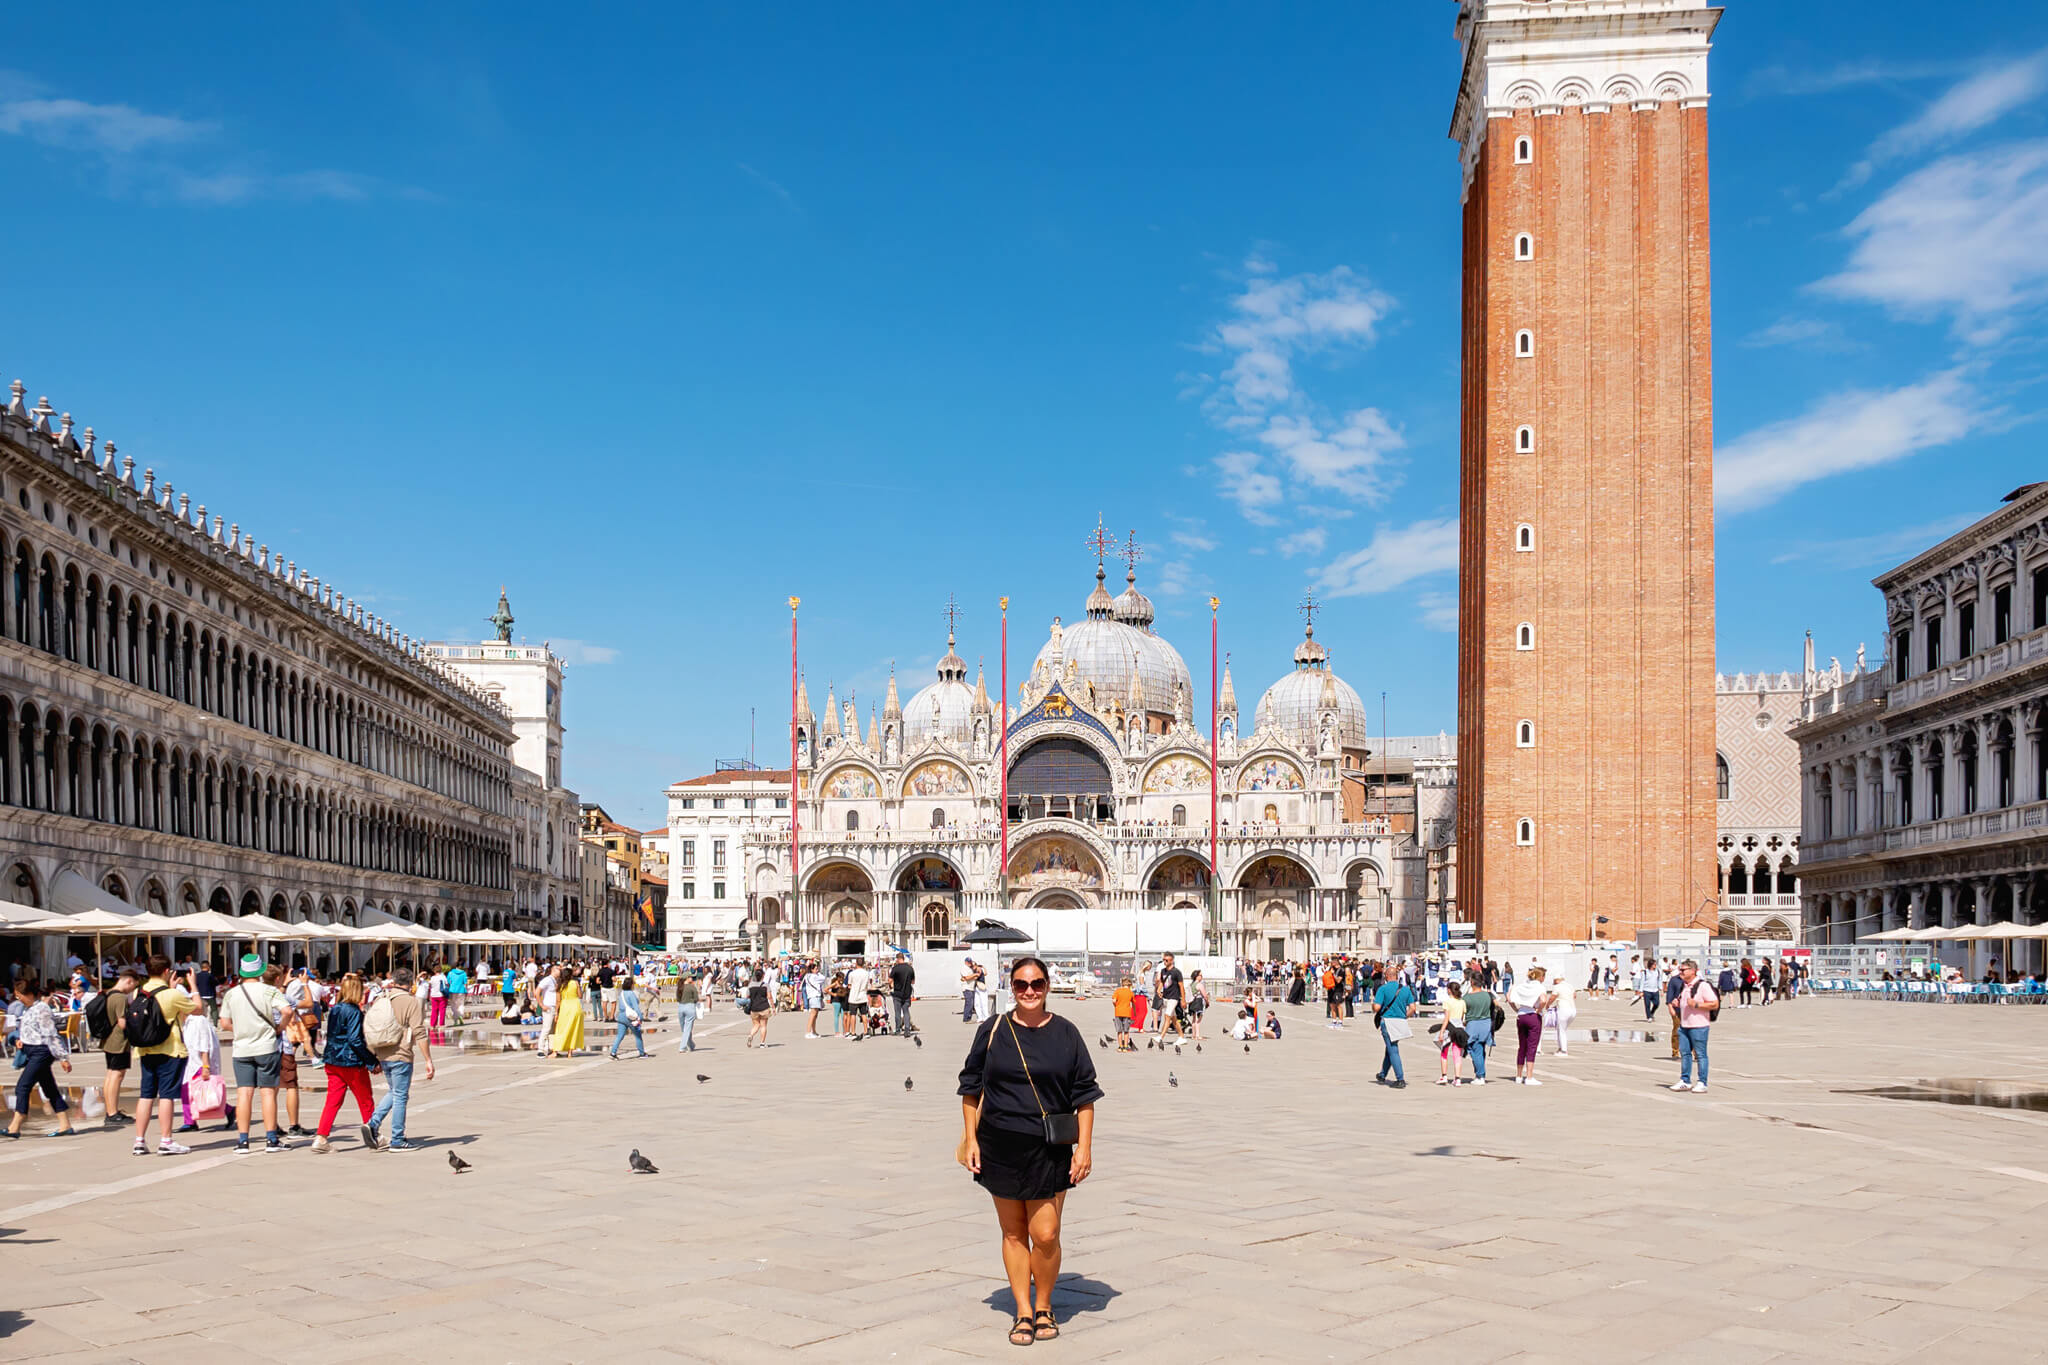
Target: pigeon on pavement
(1173, 1080)
(1198, 1047)
(906, 1082)
(1247, 1047)
(917, 1038)
(701, 1078)
(641, 1165)
(457, 1164)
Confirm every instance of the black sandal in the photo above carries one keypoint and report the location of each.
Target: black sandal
(1023, 1325)
(1044, 1326)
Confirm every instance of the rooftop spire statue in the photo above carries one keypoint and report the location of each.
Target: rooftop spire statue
(502, 618)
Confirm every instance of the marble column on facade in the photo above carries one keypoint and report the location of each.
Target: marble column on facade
(1888, 759)
(1916, 907)
(1986, 730)
(1952, 770)
(2026, 751)
(1948, 905)
(1923, 783)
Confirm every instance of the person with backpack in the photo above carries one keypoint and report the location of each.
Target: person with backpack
(256, 1011)
(1698, 1005)
(154, 1022)
(106, 1015)
(1479, 1025)
(347, 1059)
(398, 1038)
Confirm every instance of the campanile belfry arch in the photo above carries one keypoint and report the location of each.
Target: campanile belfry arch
(1586, 584)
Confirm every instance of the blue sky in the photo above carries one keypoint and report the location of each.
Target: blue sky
(662, 313)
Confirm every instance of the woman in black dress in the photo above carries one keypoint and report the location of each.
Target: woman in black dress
(1027, 1100)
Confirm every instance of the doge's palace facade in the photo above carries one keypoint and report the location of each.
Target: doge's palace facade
(190, 722)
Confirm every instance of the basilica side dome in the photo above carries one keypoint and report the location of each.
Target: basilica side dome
(1293, 704)
(942, 709)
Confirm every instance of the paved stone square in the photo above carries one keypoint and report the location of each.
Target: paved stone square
(1273, 1206)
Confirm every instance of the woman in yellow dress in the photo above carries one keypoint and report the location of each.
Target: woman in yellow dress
(568, 1039)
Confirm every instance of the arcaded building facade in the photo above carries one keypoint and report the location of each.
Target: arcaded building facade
(191, 722)
(1926, 778)
(1586, 585)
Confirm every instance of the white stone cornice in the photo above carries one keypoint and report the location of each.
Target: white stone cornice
(1549, 55)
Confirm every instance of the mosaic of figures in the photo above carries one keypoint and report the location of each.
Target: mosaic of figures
(1269, 775)
(851, 784)
(1178, 774)
(1181, 874)
(937, 779)
(1273, 873)
(928, 874)
(1055, 861)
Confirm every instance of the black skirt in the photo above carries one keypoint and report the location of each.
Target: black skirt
(1023, 1165)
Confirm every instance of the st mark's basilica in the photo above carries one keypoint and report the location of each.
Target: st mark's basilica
(901, 830)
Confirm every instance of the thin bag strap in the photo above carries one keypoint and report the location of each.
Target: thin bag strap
(1018, 1043)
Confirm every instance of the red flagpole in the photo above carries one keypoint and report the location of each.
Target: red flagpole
(1003, 718)
(1214, 710)
(795, 886)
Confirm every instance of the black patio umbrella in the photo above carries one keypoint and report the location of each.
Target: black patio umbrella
(994, 931)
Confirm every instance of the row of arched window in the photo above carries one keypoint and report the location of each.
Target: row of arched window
(1741, 878)
(52, 762)
(49, 604)
(23, 887)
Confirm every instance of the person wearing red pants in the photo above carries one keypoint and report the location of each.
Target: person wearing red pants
(349, 1062)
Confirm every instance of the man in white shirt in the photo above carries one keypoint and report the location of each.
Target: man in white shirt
(1649, 984)
(857, 1001)
(1566, 1010)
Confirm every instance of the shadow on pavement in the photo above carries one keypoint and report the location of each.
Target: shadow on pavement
(12, 1322)
(1071, 1294)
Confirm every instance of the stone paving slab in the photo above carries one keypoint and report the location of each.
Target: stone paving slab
(1275, 1206)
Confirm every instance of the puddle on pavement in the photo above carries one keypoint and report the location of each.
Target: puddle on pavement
(1973, 1094)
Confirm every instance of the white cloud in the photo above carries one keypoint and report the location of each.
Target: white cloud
(1249, 486)
(110, 129)
(1881, 550)
(1279, 318)
(1307, 542)
(1274, 322)
(1352, 459)
(1439, 611)
(1779, 80)
(1806, 333)
(1967, 235)
(155, 153)
(237, 187)
(1193, 540)
(583, 652)
(1855, 429)
(1971, 104)
(1397, 555)
(771, 186)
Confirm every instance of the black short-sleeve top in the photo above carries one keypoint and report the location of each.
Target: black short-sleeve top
(1059, 1063)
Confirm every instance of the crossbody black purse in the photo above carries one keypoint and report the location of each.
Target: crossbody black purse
(1061, 1130)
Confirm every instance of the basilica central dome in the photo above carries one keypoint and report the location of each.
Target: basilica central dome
(1114, 643)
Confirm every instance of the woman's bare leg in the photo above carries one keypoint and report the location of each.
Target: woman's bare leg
(1011, 1214)
(1045, 1247)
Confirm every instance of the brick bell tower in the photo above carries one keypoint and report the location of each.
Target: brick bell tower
(1586, 583)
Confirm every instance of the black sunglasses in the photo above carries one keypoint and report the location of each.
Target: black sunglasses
(1035, 984)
